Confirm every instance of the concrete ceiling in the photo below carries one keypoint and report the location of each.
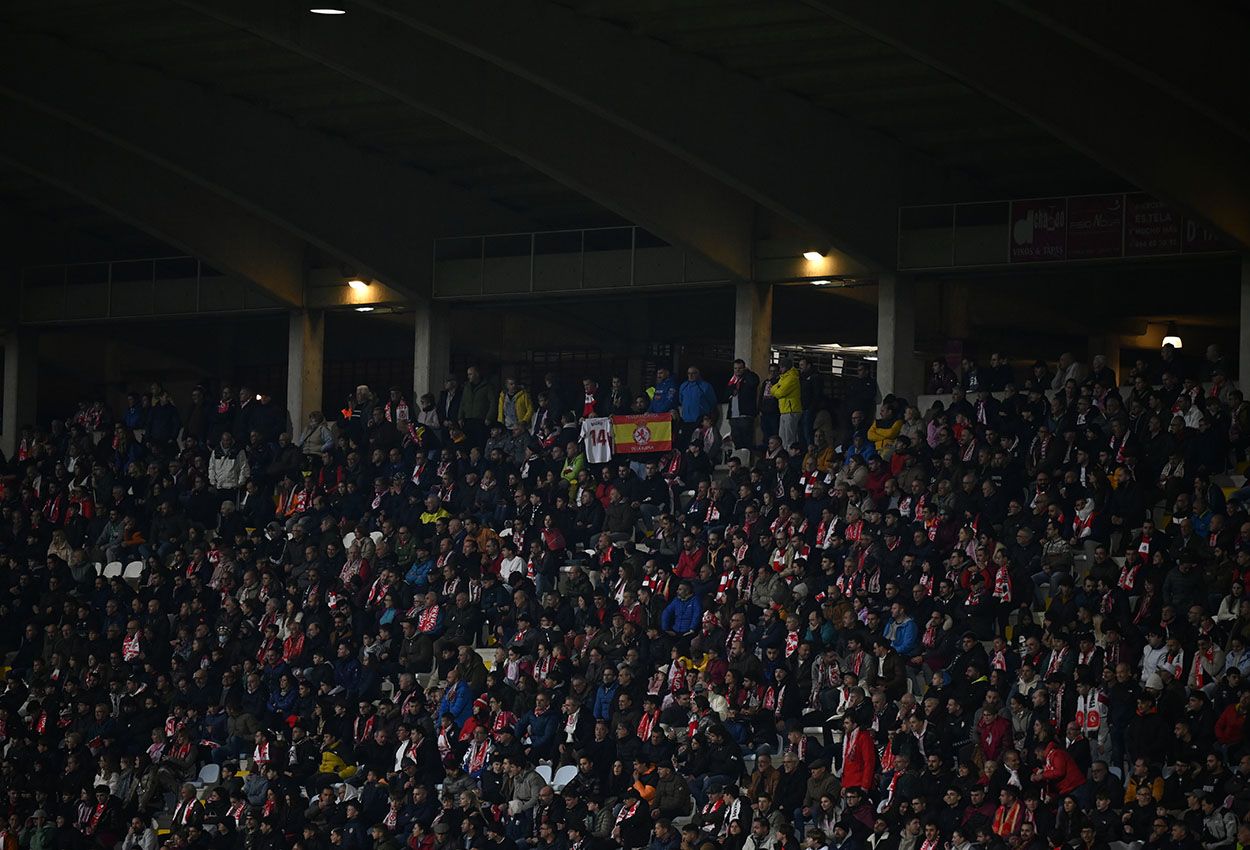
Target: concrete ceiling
(710, 122)
(794, 46)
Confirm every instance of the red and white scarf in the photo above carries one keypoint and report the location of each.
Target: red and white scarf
(1201, 659)
(475, 758)
(1002, 584)
(428, 619)
(627, 811)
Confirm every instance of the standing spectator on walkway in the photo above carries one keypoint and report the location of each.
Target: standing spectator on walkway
(743, 405)
(514, 406)
(664, 393)
(477, 406)
(810, 393)
(770, 412)
(696, 400)
(788, 392)
(861, 393)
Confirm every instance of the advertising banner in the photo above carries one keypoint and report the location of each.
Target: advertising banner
(1095, 227)
(1039, 230)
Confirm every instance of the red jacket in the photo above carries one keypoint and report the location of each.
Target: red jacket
(859, 760)
(992, 736)
(1060, 770)
(688, 563)
(1230, 729)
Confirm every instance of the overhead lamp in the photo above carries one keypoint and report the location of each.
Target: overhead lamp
(1172, 338)
(813, 256)
(364, 309)
(328, 11)
(821, 282)
(358, 284)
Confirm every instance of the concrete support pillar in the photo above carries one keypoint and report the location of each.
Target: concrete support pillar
(753, 324)
(897, 370)
(1243, 326)
(305, 364)
(21, 356)
(432, 354)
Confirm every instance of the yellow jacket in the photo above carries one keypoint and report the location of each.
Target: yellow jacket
(883, 438)
(788, 393)
(524, 409)
(332, 762)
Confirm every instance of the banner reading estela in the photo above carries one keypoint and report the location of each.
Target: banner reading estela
(648, 432)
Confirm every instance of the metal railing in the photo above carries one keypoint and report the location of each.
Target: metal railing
(554, 262)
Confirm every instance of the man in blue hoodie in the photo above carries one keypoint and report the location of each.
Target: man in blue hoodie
(664, 393)
(697, 399)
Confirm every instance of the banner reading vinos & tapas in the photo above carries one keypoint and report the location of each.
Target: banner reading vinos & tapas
(648, 432)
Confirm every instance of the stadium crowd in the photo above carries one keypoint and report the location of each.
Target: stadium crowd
(1014, 620)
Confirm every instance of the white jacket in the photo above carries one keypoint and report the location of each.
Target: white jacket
(228, 471)
(1219, 829)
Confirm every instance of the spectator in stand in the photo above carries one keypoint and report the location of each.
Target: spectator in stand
(810, 392)
(1069, 369)
(742, 397)
(696, 399)
(788, 392)
(514, 406)
(770, 410)
(477, 406)
(941, 379)
(664, 394)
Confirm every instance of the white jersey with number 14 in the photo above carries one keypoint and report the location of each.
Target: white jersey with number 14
(597, 435)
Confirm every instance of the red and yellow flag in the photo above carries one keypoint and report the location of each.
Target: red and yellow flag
(648, 432)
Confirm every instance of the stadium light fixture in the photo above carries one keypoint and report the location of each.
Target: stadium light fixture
(821, 282)
(364, 309)
(813, 256)
(358, 284)
(328, 11)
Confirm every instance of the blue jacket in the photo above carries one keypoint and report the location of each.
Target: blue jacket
(280, 704)
(541, 728)
(604, 698)
(681, 616)
(665, 398)
(458, 702)
(867, 451)
(902, 636)
(418, 574)
(697, 398)
(347, 675)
